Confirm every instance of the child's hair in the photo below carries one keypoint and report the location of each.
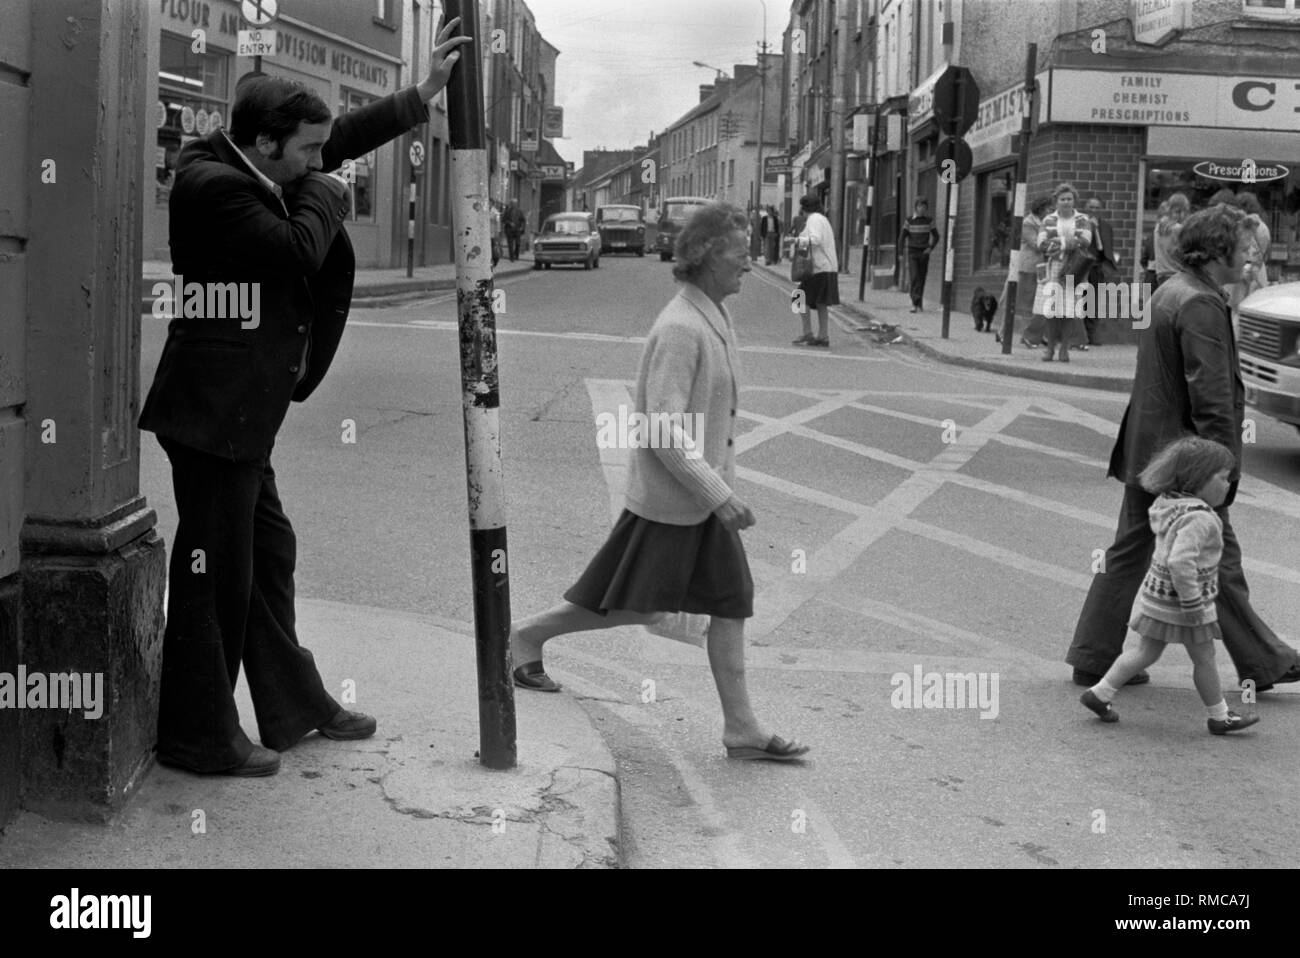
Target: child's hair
(1185, 465)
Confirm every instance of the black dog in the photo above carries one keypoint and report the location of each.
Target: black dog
(983, 309)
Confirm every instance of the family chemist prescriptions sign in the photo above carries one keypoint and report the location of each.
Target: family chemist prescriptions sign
(1175, 99)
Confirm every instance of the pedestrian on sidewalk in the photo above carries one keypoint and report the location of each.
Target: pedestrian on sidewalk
(1186, 382)
(1189, 477)
(1104, 271)
(257, 205)
(918, 237)
(1164, 237)
(1065, 239)
(676, 546)
(821, 290)
(514, 223)
(771, 232)
(1028, 281)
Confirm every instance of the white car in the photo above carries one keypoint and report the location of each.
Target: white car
(567, 238)
(1268, 344)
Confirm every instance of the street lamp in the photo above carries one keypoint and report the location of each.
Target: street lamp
(722, 74)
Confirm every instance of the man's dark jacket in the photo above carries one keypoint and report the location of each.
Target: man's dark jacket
(1187, 381)
(223, 389)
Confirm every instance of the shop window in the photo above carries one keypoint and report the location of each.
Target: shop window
(191, 103)
(1271, 9)
(364, 178)
(994, 198)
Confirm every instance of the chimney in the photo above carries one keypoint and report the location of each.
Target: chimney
(744, 71)
(706, 91)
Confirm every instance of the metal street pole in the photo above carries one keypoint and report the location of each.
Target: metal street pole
(762, 116)
(480, 396)
(1022, 189)
(871, 206)
(837, 129)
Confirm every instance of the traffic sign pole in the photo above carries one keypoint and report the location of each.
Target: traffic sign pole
(1018, 222)
(480, 394)
(416, 156)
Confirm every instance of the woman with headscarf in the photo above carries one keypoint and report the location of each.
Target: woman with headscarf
(1164, 239)
(676, 547)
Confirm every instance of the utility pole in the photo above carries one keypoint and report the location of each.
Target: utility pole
(838, 217)
(480, 394)
(1022, 180)
(762, 115)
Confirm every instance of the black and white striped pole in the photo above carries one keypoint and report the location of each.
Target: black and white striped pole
(1022, 188)
(480, 396)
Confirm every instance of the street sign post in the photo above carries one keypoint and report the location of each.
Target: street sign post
(258, 42)
(956, 105)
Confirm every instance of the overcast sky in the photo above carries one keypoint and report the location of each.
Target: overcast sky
(625, 67)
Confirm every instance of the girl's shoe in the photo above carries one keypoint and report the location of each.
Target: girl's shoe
(1103, 709)
(803, 340)
(819, 342)
(1233, 723)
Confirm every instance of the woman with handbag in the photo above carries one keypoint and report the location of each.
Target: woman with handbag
(676, 547)
(1066, 241)
(821, 287)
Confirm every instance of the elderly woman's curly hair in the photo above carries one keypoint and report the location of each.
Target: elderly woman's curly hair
(1210, 234)
(709, 229)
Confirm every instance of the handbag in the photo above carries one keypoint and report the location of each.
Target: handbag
(1076, 263)
(801, 262)
(689, 627)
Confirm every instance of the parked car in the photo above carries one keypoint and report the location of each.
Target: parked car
(567, 238)
(621, 228)
(1268, 344)
(676, 211)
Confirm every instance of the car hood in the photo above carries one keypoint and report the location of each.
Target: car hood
(1274, 302)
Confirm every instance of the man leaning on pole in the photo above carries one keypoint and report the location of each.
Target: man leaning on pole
(258, 206)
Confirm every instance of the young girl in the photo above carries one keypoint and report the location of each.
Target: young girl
(1176, 604)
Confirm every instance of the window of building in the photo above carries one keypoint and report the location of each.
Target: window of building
(363, 167)
(1271, 9)
(731, 173)
(192, 96)
(384, 12)
(994, 199)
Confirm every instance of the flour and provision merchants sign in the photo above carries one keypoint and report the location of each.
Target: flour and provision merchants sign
(1175, 99)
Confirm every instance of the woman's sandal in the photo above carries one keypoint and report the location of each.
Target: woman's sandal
(776, 750)
(531, 675)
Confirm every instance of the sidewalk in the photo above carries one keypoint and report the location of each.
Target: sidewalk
(414, 796)
(1108, 367)
(371, 287)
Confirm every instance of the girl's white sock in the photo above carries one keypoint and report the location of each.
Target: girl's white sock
(1104, 691)
(1219, 711)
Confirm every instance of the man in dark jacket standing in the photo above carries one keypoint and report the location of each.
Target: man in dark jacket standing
(918, 237)
(514, 223)
(1186, 383)
(256, 210)
(1104, 269)
(770, 230)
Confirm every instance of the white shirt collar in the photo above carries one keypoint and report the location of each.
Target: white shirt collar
(261, 177)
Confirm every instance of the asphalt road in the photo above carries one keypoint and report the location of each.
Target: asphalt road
(880, 549)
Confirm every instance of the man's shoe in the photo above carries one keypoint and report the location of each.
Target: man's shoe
(260, 762)
(1089, 679)
(1233, 723)
(348, 725)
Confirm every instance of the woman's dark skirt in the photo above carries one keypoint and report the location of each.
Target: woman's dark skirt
(821, 289)
(649, 566)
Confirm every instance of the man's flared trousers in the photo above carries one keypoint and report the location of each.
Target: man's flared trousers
(230, 600)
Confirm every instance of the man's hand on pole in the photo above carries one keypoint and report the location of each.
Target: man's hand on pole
(445, 56)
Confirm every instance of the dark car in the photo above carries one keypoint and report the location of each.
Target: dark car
(621, 228)
(567, 238)
(676, 211)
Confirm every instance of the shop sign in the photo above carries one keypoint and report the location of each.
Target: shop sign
(1241, 171)
(553, 123)
(552, 171)
(1174, 99)
(1155, 21)
(777, 165)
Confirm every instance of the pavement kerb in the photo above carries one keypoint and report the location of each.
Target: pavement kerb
(1052, 375)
